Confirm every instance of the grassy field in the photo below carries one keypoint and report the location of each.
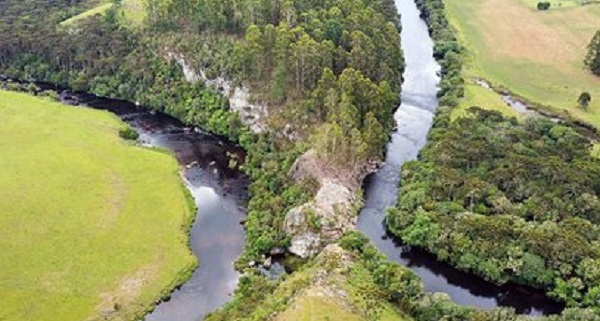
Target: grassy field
(91, 226)
(132, 11)
(476, 95)
(536, 54)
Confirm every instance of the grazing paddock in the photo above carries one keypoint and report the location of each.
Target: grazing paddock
(536, 54)
(91, 227)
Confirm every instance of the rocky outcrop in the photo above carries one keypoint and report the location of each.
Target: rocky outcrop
(315, 224)
(251, 114)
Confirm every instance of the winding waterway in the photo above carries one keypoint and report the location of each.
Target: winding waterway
(217, 238)
(414, 118)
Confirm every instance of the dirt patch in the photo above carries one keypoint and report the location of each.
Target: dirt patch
(116, 305)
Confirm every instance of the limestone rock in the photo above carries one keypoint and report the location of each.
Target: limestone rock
(251, 114)
(315, 224)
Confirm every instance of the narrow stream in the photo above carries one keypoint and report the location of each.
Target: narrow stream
(217, 238)
(414, 119)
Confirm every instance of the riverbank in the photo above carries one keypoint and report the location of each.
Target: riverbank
(69, 203)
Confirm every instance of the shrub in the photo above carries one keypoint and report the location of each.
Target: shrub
(128, 133)
(584, 100)
(544, 5)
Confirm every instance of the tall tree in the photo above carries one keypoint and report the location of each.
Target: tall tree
(592, 60)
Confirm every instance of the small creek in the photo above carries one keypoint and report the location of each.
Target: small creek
(217, 238)
(414, 118)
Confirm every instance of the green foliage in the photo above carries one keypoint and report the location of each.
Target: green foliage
(447, 51)
(584, 100)
(511, 199)
(544, 5)
(128, 133)
(592, 60)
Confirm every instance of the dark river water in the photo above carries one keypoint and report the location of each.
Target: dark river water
(414, 119)
(217, 238)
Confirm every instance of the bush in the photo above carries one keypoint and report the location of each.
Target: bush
(128, 133)
(545, 5)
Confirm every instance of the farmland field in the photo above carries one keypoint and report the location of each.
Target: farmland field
(535, 54)
(91, 226)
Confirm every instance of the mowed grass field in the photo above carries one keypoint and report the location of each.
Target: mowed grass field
(535, 54)
(91, 226)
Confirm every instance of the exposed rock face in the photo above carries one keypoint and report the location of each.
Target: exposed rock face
(321, 221)
(251, 114)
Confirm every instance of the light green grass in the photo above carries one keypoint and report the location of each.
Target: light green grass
(476, 95)
(88, 222)
(100, 9)
(537, 55)
(596, 150)
(132, 12)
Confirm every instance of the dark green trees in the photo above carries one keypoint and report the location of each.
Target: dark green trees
(592, 60)
(510, 201)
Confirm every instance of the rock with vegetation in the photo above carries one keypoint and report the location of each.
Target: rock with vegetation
(312, 225)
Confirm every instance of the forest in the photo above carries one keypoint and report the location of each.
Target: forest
(507, 200)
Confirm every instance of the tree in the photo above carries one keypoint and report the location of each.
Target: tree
(584, 100)
(544, 5)
(592, 60)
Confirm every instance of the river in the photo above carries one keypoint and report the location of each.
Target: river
(414, 119)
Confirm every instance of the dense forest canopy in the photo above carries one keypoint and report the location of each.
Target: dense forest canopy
(509, 201)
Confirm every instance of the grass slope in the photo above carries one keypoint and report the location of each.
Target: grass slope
(536, 54)
(476, 95)
(90, 226)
